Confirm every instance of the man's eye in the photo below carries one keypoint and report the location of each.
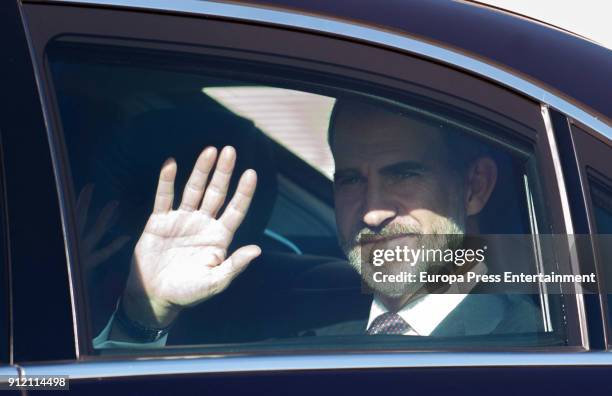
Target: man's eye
(406, 174)
(347, 180)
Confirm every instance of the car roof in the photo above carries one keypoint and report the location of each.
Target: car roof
(572, 66)
(577, 72)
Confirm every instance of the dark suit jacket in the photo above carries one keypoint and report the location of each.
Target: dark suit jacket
(284, 296)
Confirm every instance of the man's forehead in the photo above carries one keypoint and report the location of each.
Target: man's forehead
(367, 133)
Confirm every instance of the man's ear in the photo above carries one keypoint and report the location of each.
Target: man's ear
(480, 182)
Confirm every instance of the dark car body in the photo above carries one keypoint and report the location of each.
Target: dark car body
(569, 77)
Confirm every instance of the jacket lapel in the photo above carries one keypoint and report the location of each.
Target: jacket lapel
(477, 314)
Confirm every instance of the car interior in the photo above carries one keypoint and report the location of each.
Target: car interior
(121, 120)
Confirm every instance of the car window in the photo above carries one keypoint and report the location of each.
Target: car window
(601, 197)
(602, 205)
(217, 206)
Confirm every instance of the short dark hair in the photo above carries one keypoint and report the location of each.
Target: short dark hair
(466, 147)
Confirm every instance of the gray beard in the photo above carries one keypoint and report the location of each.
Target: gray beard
(446, 234)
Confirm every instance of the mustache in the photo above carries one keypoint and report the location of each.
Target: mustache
(366, 235)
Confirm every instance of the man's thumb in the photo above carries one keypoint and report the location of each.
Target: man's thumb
(239, 260)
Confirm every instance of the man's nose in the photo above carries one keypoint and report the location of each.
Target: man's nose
(378, 208)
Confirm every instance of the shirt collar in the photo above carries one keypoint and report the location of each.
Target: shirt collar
(425, 313)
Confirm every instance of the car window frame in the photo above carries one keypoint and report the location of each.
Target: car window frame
(22, 126)
(6, 322)
(87, 21)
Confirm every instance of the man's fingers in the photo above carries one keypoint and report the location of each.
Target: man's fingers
(217, 189)
(194, 189)
(165, 187)
(235, 264)
(239, 205)
(82, 207)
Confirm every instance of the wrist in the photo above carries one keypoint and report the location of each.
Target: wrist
(128, 329)
(146, 311)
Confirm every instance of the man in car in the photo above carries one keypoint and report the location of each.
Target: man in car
(400, 180)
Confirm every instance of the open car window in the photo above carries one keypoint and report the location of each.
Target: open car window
(358, 194)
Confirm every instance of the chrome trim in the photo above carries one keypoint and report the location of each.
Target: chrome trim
(554, 152)
(535, 232)
(8, 371)
(365, 33)
(567, 217)
(127, 368)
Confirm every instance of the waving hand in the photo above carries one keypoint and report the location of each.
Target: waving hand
(181, 258)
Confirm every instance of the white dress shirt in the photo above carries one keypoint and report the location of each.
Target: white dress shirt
(425, 313)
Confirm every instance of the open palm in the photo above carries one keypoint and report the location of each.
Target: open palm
(181, 258)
